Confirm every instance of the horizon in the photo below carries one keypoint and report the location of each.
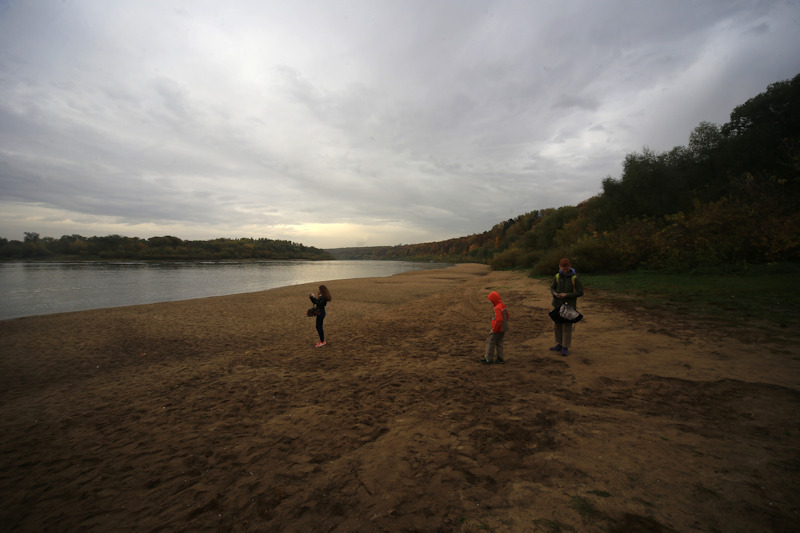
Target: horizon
(342, 125)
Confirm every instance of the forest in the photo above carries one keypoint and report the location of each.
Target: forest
(115, 247)
(727, 200)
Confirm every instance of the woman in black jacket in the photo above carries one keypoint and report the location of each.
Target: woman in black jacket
(319, 301)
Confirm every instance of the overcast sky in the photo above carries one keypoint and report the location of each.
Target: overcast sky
(354, 122)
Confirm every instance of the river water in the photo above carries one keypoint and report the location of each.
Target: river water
(41, 288)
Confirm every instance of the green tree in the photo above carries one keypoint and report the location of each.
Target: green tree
(704, 141)
(763, 141)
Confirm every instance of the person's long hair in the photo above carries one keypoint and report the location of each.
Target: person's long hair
(325, 292)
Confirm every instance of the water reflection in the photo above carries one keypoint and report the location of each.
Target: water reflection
(41, 288)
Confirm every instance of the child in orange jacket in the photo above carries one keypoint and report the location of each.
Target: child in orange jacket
(494, 343)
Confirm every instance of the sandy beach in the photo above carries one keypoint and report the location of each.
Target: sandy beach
(219, 414)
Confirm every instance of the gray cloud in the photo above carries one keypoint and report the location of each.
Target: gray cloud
(342, 123)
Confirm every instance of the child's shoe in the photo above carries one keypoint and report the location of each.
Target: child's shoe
(556, 348)
(319, 344)
(564, 351)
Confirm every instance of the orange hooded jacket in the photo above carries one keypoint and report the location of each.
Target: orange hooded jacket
(500, 316)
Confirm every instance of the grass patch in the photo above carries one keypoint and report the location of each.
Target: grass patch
(762, 296)
(585, 508)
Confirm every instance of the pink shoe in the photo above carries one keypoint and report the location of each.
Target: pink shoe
(319, 344)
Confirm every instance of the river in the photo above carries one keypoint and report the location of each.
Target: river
(41, 288)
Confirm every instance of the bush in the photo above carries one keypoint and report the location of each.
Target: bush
(530, 258)
(506, 259)
(548, 264)
(598, 255)
(726, 232)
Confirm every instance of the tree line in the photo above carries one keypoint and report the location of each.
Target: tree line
(113, 247)
(726, 200)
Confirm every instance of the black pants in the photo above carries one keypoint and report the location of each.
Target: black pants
(321, 332)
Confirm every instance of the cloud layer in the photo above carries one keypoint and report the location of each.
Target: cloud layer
(342, 123)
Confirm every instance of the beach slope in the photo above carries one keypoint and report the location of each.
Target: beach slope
(219, 414)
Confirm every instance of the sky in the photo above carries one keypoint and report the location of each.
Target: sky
(338, 123)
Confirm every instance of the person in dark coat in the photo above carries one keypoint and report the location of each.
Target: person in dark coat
(320, 301)
(566, 289)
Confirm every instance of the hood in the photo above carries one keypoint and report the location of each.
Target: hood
(568, 274)
(494, 297)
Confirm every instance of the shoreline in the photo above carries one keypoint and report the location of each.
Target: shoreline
(218, 413)
(75, 303)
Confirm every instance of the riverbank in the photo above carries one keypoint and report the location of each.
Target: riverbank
(219, 413)
(30, 289)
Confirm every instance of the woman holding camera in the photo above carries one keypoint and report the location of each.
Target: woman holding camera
(320, 301)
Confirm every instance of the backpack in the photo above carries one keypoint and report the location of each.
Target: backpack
(573, 280)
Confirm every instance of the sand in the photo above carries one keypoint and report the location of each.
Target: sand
(219, 414)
